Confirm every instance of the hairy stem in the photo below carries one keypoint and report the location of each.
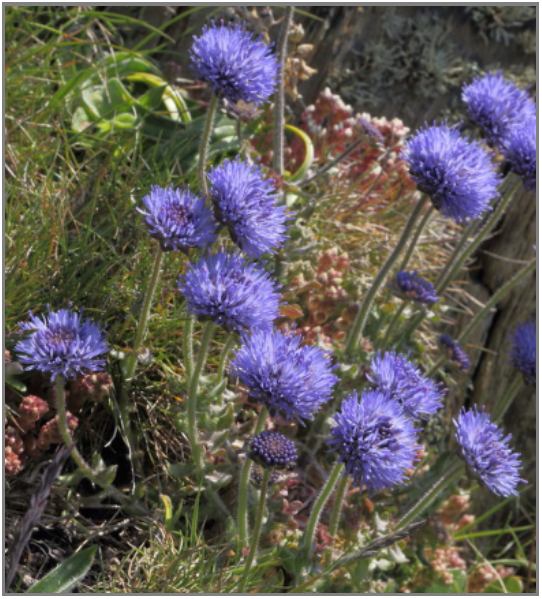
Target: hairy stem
(453, 268)
(204, 144)
(361, 318)
(257, 530)
(493, 301)
(188, 344)
(228, 346)
(336, 514)
(322, 499)
(416, 237)
(506, 399)
(393, 323)
(192, 406)
(242, 505)
(278, 133)
(78, 458)
(131, 360)
(453, 474)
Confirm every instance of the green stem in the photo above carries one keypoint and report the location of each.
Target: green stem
(204, 144)
(393, 323)
(494, 300)
(325, 493)
(453, 474)
(507, 185)
(361, 318)
(188, 345)
(454, 267)
(506, 399)
(193, 397)
(78, 458)
(336, 514)
(242, 506)
(329, 165)
(278, 134)
(465, 236)
(458, 258)
(257, 530)
(131, 360)
(230, 342)
(416, 237)
(130, 363)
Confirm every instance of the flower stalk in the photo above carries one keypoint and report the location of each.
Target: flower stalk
(87, 470)
(506, 399)
(416, 237)
(257, 530)
(193, 436)
(242, 505)
(336, 514)
(131, 360)
(204, 144)
(494, 300)
(453, 268)
(363, 314)
(453, 474)
(322, 499)
(278, 134)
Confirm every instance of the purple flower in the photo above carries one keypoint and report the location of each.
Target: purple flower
(374, 439)
(270, 449)
(487, 452)
(417, 395)
(61, 343)
(247, 204)
(237, 65)
(455, 352)
(519, 149)
(497, 106)
(178, 219)
(287, 377)
(409, 285)
(456, 173)
(233, 293)
(523, 353)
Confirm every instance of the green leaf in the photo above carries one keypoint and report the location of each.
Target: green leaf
(81, 120)
(512, 584)
(172, 99)
(16, 384)
(103, 102)
(309, 155)
(124, 121)
(226, 420)
(63, 578)
(120, 64)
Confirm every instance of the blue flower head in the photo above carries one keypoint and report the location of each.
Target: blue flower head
(519, 149)
(247, 204)
(237, 65)
(270, 449)
(409, 285)
(486, 450)
(227, 289)
(374, 439)
(178, 219)
(457, 174)
(497, 106)
(417, 395)
(289, 378)
(61, 343)
(523, 353)
(455, 353)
